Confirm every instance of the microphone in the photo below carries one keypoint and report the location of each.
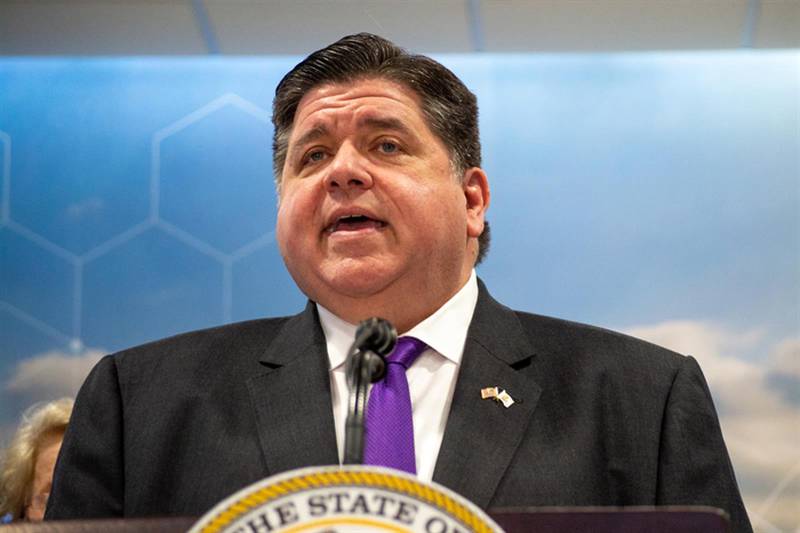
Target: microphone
(375, 338)
(376, 335)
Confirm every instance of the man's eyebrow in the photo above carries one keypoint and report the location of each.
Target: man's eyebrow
(311, 135)
(385, 123)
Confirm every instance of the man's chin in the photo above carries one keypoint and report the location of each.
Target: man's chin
(360, 287)
(357, 279)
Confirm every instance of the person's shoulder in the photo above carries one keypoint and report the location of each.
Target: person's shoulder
(228, 342)
(575, 343)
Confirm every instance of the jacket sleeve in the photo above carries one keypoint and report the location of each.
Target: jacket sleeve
(89, 475)
(694, 467)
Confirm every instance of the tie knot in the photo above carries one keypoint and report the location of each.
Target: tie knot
(406, 351)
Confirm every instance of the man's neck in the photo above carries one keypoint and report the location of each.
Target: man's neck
(403, 308)
(405, 312)
(444, 331)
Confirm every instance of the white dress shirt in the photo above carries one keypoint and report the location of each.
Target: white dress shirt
(431, 379)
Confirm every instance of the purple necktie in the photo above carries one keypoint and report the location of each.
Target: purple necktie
(389, 429)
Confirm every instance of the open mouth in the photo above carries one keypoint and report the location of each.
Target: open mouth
(354, 223)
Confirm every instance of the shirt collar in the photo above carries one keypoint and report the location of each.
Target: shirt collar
(445, 331)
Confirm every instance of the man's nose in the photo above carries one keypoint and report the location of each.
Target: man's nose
(347, 171)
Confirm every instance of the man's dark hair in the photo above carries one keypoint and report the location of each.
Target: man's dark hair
(450, 109)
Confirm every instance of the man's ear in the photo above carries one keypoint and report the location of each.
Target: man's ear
(477, 195)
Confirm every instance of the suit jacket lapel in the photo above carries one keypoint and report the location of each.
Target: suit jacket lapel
(481, 435)
(292, 397)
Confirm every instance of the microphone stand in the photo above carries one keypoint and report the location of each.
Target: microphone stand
(365, 364)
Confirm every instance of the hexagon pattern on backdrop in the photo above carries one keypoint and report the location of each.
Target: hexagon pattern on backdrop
(80, 151)
(158, 302)
(36, 281)
(120, 226)
(215, 173)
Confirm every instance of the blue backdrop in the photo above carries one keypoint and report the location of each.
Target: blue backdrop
(655, 193)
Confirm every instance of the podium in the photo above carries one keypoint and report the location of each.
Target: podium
(121, 525)
(689, 519)
(369, 499)
(517, 520)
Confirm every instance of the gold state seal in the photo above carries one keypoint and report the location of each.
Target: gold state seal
(344, 499)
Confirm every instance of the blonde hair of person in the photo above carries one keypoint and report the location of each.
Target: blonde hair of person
(39, 422)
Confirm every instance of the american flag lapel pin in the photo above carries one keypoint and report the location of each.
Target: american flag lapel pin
(500, 396)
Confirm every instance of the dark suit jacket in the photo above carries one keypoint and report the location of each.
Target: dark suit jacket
(172, 427)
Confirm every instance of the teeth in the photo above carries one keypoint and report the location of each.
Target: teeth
(345, 219)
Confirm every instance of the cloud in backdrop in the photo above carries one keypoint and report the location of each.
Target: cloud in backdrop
(51, 375)
(43, 377)
(756, 395)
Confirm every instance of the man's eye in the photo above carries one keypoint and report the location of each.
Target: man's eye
(314, 157)
(388, 147)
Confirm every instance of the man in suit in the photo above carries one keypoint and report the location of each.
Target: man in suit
(382, 213)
